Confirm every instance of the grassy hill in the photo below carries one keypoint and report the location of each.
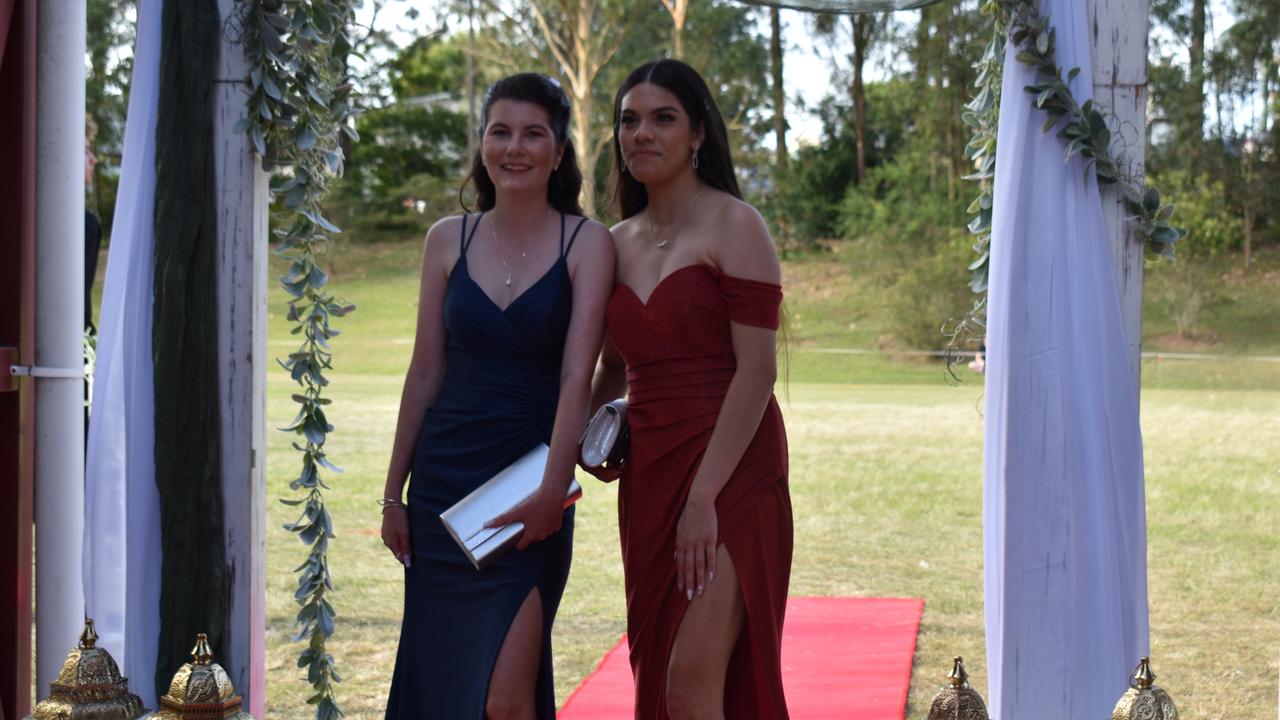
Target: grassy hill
(886, 477)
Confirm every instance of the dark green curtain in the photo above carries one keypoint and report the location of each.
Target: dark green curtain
(194, 593)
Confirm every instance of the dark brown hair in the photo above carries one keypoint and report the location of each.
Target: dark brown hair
(715, 165)
(565, 185)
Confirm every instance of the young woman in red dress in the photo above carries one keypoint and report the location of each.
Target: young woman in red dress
(704, 510)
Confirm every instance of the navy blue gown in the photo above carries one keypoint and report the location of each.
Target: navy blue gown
(497, 402)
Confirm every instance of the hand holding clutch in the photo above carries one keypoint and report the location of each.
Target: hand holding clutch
(541, 516)
(606, 442)
(471, 520)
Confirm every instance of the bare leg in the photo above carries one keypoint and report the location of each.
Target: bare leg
(704, 642)
(511, 687)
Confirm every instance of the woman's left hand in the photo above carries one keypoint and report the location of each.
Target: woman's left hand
(696, 547)
(541, 514)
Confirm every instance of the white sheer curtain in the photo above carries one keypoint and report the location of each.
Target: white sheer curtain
(122, 511)
(1064, 519)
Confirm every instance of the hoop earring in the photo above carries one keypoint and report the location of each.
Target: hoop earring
(695, 158)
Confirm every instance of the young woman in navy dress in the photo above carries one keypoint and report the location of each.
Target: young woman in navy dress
(703, 504)
(510, 322)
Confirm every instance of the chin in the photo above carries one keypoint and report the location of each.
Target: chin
(521, 184)
(649, 175)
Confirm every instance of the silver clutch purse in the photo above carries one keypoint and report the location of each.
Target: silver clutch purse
(606, 441)
(516, 483)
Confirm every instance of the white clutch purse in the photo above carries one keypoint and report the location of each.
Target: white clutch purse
(516, 483)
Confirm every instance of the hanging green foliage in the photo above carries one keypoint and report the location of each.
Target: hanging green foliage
(301, 98)
(1083, 128)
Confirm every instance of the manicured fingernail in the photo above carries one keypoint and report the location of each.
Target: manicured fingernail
(711, 576)
(699, 591)
(690, 594)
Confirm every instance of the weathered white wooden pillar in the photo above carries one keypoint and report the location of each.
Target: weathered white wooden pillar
(1119, 45)
(242, 361)
(59, 352)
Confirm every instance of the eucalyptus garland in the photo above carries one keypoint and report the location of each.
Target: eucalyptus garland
(1083, 128)
(982, 115)
(301, 97)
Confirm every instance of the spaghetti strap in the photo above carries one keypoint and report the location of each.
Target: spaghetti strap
(466, 239)
(565, 250)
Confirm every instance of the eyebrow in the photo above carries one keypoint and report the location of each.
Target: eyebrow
(664, 108)
(499, 123)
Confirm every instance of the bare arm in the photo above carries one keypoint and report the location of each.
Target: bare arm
(610, 381)
(747, 397)
(591, 268)
(422, 382)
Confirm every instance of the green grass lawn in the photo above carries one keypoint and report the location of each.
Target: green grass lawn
(886, 479)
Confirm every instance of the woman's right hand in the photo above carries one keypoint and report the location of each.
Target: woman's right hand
(395, 533)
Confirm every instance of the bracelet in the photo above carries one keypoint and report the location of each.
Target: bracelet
(387, 502)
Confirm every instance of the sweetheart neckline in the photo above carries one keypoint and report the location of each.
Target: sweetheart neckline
(645, 303)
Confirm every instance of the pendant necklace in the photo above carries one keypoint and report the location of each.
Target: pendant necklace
(669, 233)
(493, 224)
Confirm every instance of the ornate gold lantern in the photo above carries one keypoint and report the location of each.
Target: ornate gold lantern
(1143, 700)
(200, 689)
(89, 686)
(958, 701)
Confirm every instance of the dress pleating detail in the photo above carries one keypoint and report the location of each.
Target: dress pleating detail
(679, 355)
(497, 401)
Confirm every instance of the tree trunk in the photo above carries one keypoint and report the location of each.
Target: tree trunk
(861, 37)
(471, 84)
(1193, 133)
(679, 10)
(575, 35)
(779, 93)
(1247, 172)
(585, 69)
(921, 47)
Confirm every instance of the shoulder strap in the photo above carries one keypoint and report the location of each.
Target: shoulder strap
(581, 222)
(467, 238)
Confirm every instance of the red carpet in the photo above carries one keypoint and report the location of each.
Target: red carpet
(842, 659)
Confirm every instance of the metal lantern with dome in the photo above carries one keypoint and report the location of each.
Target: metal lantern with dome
(1143, 700)
(89, 687)
(200, 689)
(958, 701)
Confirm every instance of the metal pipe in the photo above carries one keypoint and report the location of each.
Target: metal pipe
(59, 418)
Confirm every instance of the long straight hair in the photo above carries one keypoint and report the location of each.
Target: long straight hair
(565, 185)
(715, 165)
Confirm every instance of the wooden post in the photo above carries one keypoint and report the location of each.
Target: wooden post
(1119, 45)
(242, 350)
(17, 347)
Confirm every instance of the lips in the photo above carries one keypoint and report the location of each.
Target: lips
(516, 167)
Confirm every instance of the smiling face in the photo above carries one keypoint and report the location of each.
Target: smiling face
(655, 133)
(518, 149)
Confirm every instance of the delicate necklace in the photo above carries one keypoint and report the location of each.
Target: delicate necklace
(669, 233)
(493, 224)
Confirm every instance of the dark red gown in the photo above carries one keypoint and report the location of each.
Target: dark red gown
(680, 359)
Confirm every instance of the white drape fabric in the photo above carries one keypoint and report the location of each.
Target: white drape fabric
(1064, 518)
(122, 507)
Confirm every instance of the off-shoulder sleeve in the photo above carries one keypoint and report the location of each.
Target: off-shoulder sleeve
(751, 302)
